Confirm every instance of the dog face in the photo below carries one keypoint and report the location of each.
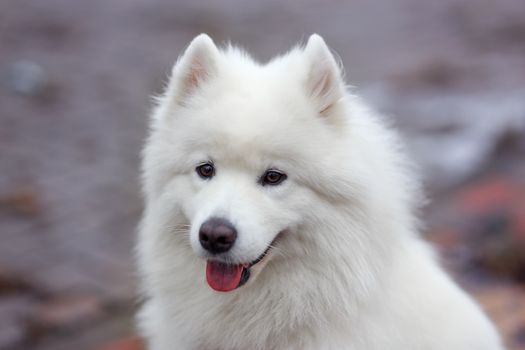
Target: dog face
(235, 150)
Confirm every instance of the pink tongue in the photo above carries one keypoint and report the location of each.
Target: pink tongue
(223, 277)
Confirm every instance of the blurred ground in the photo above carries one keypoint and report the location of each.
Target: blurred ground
(75, 81)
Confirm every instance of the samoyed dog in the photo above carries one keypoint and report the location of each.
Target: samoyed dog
(279, 214)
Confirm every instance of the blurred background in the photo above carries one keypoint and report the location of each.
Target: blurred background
(75, 81)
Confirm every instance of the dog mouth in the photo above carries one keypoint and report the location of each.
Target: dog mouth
(224, 277)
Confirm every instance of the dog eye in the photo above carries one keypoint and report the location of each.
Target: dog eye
(206, 170)
(273, 177)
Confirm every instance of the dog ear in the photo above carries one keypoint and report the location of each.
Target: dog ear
(197, 65)
(324, 81)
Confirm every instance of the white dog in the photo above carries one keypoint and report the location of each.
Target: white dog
(280, 215)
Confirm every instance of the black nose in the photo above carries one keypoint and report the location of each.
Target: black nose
(217, 235)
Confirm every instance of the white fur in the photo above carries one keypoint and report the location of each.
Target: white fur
(348, 270)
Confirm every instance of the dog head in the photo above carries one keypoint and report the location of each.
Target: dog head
(241, 152)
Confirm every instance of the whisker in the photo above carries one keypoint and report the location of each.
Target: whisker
(279, 251)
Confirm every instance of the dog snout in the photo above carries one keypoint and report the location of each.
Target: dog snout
(217, 235)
